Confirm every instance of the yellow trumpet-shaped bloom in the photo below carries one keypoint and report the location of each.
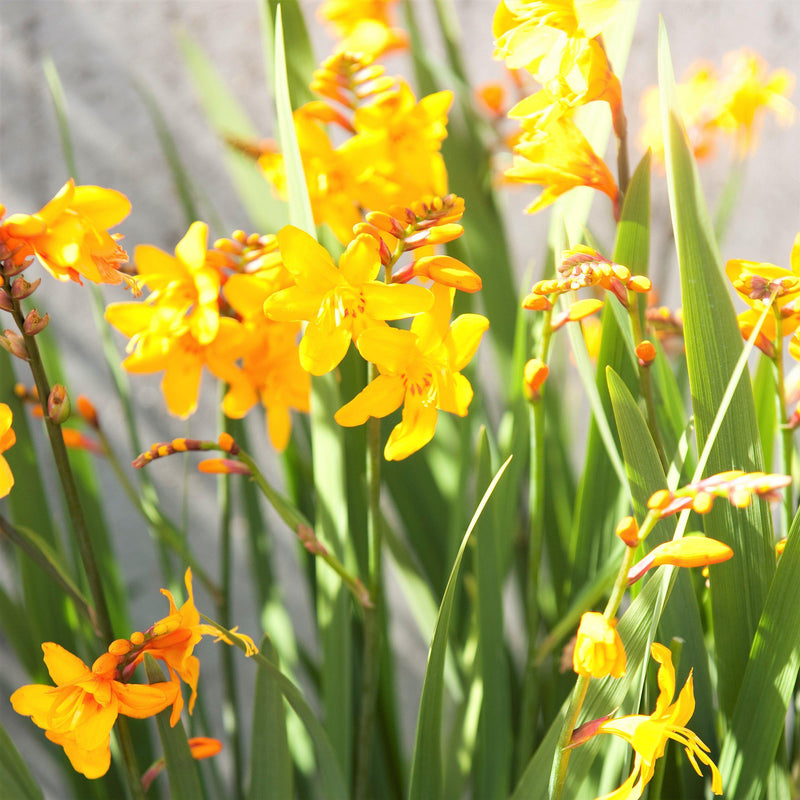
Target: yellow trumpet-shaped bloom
(598, 648)
(648, 735)
(79, 712)
(338, 303)
(420, 369)
(69, 235)
(7, 439)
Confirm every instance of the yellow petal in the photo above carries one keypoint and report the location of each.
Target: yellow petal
(181, 383)
(140, 701)
(307, 260)
(463, 339)
(389, 348)
(6, 477)
(360, 262)
(395, 301)
(413, 432)
(323, 349)
(191, 250)
(104, 207)
(63, 666)
(378, 399)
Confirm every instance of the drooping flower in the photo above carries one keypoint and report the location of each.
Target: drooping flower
(420, 369)
(337, 303)
(81, 710)
(7, 439)
(648, 735)
(688, 551)
(559, 158)
(598, 648)
(69, 235)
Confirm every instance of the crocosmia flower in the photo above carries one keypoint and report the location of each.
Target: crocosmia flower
(70, 234)
(648, 735)
(338, 303)
(598, 648)
(79, 712)
(7, 439)
(420, 369)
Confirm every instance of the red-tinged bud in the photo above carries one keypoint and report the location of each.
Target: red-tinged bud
(533, 377)
(15, 263)
(403, 275)
(619, 291)
(5, 302)
(75, 440)
(227, 444)
(384, 252)
(309, 540)
(15, 344)
(645, 352)
(87, 410)
(58, 405)
(442, 234)
(21, 289)
(365, 227)
(628, 531)
(223, 466)
(449, 272)
(34, 323)
(586, 731)
(386, 223)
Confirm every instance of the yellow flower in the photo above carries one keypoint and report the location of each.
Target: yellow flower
(598, 648)
(688, 551)
(271, 369)
(70, 235)
(7, 439)
(747, 94)
(337, 303)
(559, 158)
(80, 711)
(527, 30)
(648, 735)
(420, 369)
(364, 27)
(187, 283)
(158, 343)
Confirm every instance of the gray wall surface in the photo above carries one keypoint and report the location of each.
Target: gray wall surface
(100, 46)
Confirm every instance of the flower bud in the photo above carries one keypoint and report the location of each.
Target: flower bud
(34, 323)
(15, 344)
(87, 410)
(223, 466)
(21, 289)
(5, 302)
(533, 376)
(386, 223)
(628, 531)
(536, 302)
(598, 649)
(58, 405)
(645, 352)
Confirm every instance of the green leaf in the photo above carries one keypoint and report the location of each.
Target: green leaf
(182, 772)
(271, 772)
(267, 213)
(426, 765)
(764, 397)
(494, 732)
(15, 777)
(768, 685)
(713, 346)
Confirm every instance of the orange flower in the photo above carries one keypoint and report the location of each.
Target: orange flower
(70, 235)
(7, 439)
(559, 158)
(80, 711)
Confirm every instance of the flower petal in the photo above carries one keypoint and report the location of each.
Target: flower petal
(414, 431)
(378, 399)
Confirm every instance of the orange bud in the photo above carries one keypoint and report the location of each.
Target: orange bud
(780, 547)
(690, 551)
(645, 352)
(119, 647)
(448, 272)
(639, 283)
(204, 746)
(493, 97)
(536, 302)
(223, 466)
(227, 443)
(534, 375)
(628, 531)
(77, 441)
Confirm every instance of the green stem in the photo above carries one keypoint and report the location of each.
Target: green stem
(558, 775)
(78, 520)
(372, 614)
(645, 384)
(530, 689)
(786, 432)
(305, 531)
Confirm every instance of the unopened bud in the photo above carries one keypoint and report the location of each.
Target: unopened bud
(15, 344)
(533, 376)
(227, 444)
(628, 531)
(58, 405)
(34, 323)
(385, 222)
(645, 352)
(223, 466)
(536, 302)
(5, 302)
(21, 289)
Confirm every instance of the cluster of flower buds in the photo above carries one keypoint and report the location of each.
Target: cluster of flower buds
(247, 253)
(583, 267)
(351, 80)
(429, 222)
(181, 445)
(737, 486)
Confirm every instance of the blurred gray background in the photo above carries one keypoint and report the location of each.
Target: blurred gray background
(100, 46)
